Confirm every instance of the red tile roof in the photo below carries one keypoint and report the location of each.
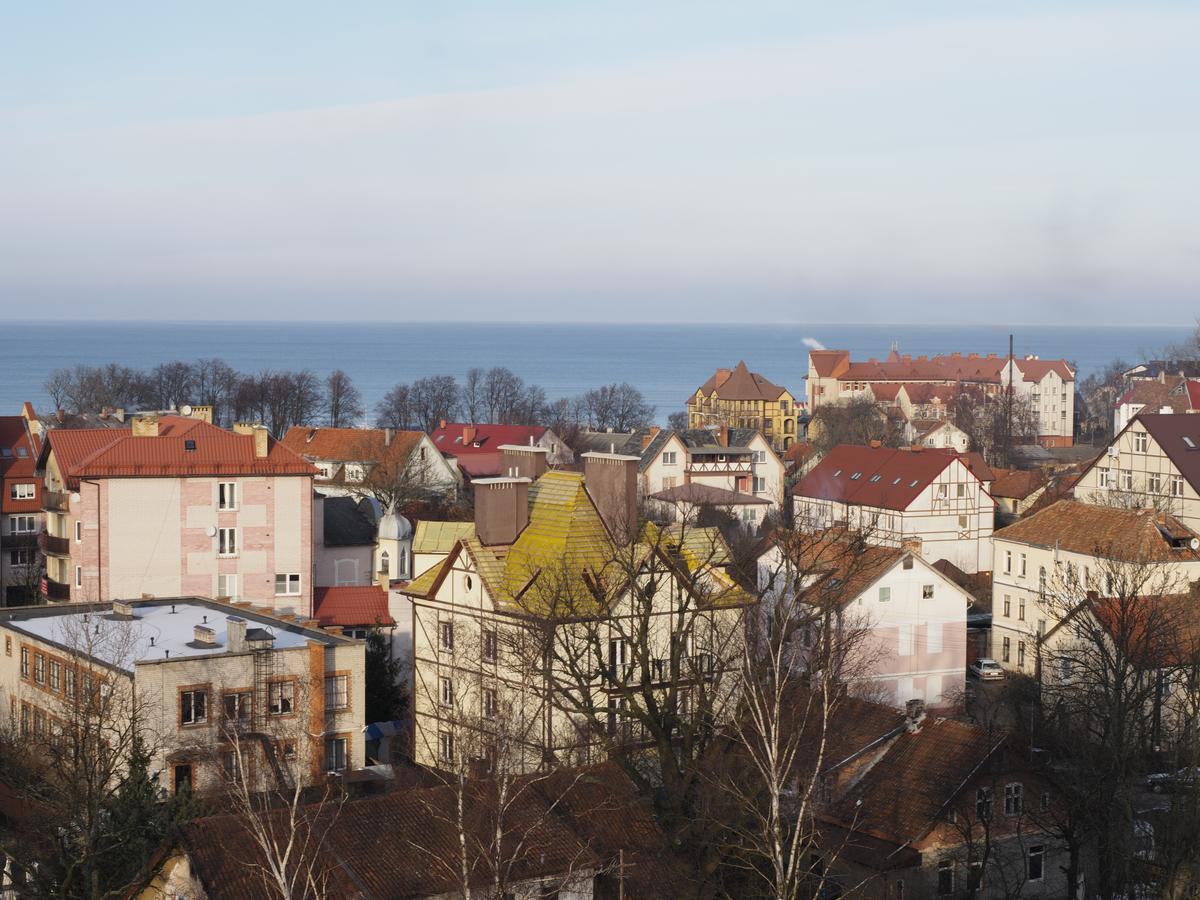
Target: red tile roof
(829, 363)
(117, 453)
(947, 368)
(1106, 531)
(18, 460)
(349, 444)
(350, 607)
(740, 383)
(450, 437)
(872, 476)
(1018, 484)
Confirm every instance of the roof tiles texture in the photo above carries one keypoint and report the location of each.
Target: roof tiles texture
(451, 437)
(348, 606)
(739, 383)
(949, 367)
(1106, 531)
(349, 444)
(872, 476)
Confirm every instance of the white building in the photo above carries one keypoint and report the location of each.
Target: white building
(900, 496)
(349, 460)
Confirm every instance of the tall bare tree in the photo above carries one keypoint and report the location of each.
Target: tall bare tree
(343, 402)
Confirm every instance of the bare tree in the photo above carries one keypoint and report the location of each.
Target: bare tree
(858, 421)
(620, 407)
(58, 387)
(343, 402)
(395, 410)
(433, 399)
(678, 420)
(472, 397)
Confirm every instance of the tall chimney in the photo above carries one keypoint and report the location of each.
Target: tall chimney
(520, 461)
(145, 426)
(468, 434)
(260, 436)
(501, 509)
(649, 436)
(235, 633)
(611, 482)
(388, 435)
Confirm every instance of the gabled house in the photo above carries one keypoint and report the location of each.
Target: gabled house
(1016, 490)
(739, 398)
(476, 451)
(898, 497)
(21, 516)
(1153, 462)
(1164, 395)
(171, 505)
(938, 433)
(350, 461)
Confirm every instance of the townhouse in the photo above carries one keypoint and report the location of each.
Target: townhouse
(1163, 395)
(171, 505)
(1153, 462)
(1048, 561)
(562, 551)
(373, 462)
(206, 681)
(739, 398)
(905, 623)
(475, 448)
(21, 516)
(899, 497)
(1048, 385)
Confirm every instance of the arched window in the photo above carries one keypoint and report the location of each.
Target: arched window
(384, 563)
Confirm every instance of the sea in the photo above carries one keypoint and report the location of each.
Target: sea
(667, 362)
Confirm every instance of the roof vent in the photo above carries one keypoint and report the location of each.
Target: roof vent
(122, 610)
(204, 638)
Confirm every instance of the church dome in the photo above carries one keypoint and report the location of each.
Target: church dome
(394, 527)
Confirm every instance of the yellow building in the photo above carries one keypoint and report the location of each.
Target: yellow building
(740, 398)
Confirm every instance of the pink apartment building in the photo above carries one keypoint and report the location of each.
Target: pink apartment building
(174, 506)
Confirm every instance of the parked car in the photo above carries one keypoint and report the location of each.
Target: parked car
(1173, 781)
(986, 669)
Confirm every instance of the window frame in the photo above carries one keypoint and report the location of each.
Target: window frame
(188, 717)
(227, 496)
(276, 692)
(337, 689)
(227, 542)
(1014, 799)
(446, 635)
(290, 580)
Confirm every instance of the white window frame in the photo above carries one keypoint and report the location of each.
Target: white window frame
(227, 498)
(227, 542)
(78, 531)
(491, 706)
(337, 754)
(670, 458)
(1014, 798)
(230, 586)
(1038, 850)
(187, 707)
(885, 594)
(15, 523)
(446, 691)
(22, 491)
(446, 746)
(291, 584)
(1139, 442)
(337, 691)
(446, 636)
(79, 576)
(1176, 485)
(281, 698)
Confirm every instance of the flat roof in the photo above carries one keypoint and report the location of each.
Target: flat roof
(160, 629)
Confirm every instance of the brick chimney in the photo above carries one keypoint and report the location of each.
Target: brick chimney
(649, 436)
(723, 435)
(145, 426)
(911, 545)
(611, 482)
(388, 435)
(723, 376)
(875, 445)
(259, 432)
(235, 634)
(468, 434)
(523, 461)
(501, 509)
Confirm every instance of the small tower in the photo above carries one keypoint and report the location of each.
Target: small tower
(393, 548)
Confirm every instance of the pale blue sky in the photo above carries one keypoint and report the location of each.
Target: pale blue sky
(786, 161)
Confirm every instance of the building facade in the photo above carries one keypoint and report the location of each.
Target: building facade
(21, 516)
(364, 461)
(739, 398)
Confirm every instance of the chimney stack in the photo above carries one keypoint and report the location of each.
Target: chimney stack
(914, 712)
(501, 509)
(145, 426)
(521, 461)
(611, 482)
(649, 436)
(204, 635)
(468, 434)
(388, 435)
(235, 630)
(261, 444)
(911, 545)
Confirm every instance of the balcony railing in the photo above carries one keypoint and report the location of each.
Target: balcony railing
(730, 467)
(54, 546)
(56, 501)
(55, 590)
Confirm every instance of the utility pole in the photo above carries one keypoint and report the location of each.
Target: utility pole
(1008, 407)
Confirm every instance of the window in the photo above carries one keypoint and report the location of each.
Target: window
(1042, 582)
(69, 683)
(1127, 479)
(1007, 606)
(39, 668)
(239, 707)
(25, 662)
(7, 646)
(1102, 476)
(945, 878)
(1021, 608)
(976, 875)
(490, 706)
(1020, 653)
(1007, 562)
(227, 541)
(1036, 867)
(280, 698)
(885, 594)
(183, 778)
(233, 768)
(1005, 647)
(385, 564)
(79, 576)
(1176, 485)
(287, 585)
(193, 707)
(227, 495)
(227, 586)
(335, 755)
(446, 635)
(983, 804)
(1022, 571)
(20, 524)
(669, 458)
(489, 646)
(78, 531)
(1041, 627)
(18, 557)
(617, 652)
(1012, 799)
(55, 676)
(1154, 483)
(447, 691)
(21, 491)
(446, 746)
(1139, 441)
(337, 692)
(927, 592)
(960, 490)
(905, 639)
(933, 637)
(760, 484)
(669, 481)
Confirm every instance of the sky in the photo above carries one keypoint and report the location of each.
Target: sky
(866, 160)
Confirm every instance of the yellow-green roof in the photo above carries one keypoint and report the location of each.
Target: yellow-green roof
(439, 537)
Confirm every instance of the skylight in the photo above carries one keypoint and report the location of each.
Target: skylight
(897, 481)
(914, 483)
(22, 452)
(874, 478)
(856, 476)
(1190, 443)
(837, 473)
(189, 445)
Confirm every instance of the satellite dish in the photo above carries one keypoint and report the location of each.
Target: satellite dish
(211, 530)
(185, 411)
(1194, 543)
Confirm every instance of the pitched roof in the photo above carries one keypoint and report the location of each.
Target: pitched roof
(18, 461)
(348, 606)
(1106, 531)
(1017, 484)
(624, 442)
(182, 447)
(829, 363)
(349, 444)
(440, 537)
(450, 437)
(949, 367)
(697, 494)
(739, 383)
(346, 523)
(872, 476)
(1179, 437)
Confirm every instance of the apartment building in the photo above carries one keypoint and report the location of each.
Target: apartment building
(544, 542)
(908, 620)
(900, 497)
(739, 398)
(1153, 462)
(174, 506)
(1048, 385)
(207, 681)
(21, 516)
(1047, 562)
(355, 461)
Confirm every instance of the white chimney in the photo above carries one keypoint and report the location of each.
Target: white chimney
(235, 627)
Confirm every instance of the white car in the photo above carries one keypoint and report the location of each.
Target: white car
(986, 669)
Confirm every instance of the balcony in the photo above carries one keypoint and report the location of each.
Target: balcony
(55, 590)
(56, 501)
(712, 466)
(54, 546)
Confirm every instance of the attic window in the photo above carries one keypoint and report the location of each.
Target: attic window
(189, 445)
(5, 451)
(22, 452)
(439, 438)
(897, 481)
(874, 478)
(914, 483)
(1191, 445)
(856, 476)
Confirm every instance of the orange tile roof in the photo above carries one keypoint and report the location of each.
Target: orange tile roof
(741, 384)
(1105, 531)
(1019, 483)
(352, 606)
(950, 367)
(183, 447)
(348, 444)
